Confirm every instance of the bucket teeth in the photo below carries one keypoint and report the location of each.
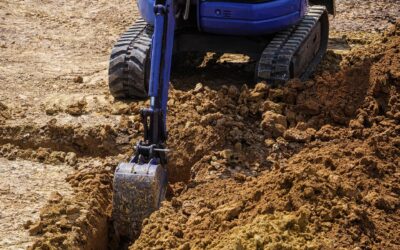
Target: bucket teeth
(138, 191)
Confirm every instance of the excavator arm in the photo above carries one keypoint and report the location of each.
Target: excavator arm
(140, 185)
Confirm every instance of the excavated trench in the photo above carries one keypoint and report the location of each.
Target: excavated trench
(239, 156)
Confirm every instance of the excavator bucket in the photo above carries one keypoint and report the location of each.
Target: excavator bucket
(138, 191)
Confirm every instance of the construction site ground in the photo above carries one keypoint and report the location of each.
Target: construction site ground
(309, 165)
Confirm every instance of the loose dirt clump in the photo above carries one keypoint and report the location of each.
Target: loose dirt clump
(4, 113)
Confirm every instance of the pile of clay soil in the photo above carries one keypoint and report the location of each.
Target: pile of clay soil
(310, 165)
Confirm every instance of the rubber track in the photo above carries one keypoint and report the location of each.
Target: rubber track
(129, 62)
(274, 65)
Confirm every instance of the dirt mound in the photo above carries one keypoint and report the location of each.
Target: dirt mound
(308, 165)
(23, 194)
(106, 136)
(330, 151)
(80, 221)
(4, 113)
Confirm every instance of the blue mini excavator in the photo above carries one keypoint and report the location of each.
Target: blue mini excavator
(288, 38)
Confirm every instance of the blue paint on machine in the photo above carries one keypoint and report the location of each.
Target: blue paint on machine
(240, 17)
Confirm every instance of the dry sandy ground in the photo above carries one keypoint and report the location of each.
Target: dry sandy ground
(45, 46)
(56, 115)
(24, 189)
